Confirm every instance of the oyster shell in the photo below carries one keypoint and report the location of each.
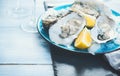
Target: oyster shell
(86, 6)
(104, 29)
(51, 16)
(67, 29)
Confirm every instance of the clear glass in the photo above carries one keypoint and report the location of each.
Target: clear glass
(19, 11)
(30, 25)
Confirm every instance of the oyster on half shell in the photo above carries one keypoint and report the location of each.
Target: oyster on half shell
(86, 6)
(67, 29)
(52, 16)
(104, 29)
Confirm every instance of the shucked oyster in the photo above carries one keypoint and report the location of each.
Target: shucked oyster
(90, 7)
(104, 29)
(67, 29)
(51, 16)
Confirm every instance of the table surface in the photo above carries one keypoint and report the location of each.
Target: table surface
(22, 53)
(27, 54)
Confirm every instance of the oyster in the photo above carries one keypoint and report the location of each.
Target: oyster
(67, 29)
(51, 16)
(104, 29)
(86, 6)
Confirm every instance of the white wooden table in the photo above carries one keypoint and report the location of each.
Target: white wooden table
(22, 53)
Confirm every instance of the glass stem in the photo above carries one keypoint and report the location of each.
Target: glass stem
(18, 4)
(34, 11)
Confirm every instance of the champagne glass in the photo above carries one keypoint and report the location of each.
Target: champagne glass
(19, 11)
(30, 25)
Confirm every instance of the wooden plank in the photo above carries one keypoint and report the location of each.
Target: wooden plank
(17, 46)
(26, 70)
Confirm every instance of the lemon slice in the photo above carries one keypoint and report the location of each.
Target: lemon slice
(84, 39)
(90, 21)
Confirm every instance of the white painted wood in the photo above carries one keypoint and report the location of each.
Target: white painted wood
(16, 45)
(26, 70)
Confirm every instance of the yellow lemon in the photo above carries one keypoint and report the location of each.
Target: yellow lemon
(90, 21)
(84, 39)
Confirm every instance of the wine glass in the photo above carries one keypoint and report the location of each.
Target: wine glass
(30, 25)
(19, 11)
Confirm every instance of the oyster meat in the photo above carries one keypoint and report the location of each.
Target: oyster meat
(104, 29)
(67, 29)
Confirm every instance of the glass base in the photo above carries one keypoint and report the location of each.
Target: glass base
(29, 27)
(19, 12)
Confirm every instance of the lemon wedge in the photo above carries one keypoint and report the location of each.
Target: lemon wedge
(84, 39)
(90, 21)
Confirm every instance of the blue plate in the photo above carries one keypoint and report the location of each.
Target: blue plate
(106, 47)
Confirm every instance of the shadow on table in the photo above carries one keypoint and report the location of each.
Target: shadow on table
(67, 63)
